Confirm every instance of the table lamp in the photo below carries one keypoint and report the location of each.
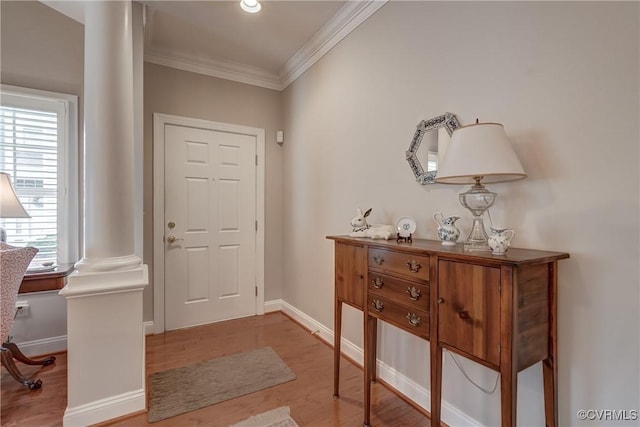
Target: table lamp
(478, 154)
(10, 206)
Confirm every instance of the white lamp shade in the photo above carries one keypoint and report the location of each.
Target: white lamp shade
(479, 150)
(10, 206)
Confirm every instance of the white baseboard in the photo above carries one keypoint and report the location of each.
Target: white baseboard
(273, 306)
(422, 397)
(148, 328)
(58, 344)
(43, 346)
(104, 409)
(405, 385)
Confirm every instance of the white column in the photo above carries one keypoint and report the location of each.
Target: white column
(105, 331)
(109, 237)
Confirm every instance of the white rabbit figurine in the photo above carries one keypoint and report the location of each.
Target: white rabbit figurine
(362, 229)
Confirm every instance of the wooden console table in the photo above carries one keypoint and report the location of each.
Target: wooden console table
(46, 281)
(499, 311)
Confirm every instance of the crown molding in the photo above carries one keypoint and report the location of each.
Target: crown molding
(221, 69)
(348, 18)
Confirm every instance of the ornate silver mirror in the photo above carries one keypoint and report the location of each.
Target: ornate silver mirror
(428, 146)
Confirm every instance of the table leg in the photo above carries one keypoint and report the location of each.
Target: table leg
(436, 383)
(549, 365)
(369, 342)
(337, 334)
(509, 396)
(373, 360)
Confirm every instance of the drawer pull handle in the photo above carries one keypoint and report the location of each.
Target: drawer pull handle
(440, 300)
(463, 314)
(414, 266)
(414, 320)
(378, 259)
(377, 305)
(414, 293)
(377, 282)
(360, 276)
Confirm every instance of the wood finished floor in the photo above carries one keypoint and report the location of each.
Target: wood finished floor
(309, 396)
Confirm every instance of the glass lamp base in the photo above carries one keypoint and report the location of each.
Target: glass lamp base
(478, 239)
(477, 199)
(476, 247)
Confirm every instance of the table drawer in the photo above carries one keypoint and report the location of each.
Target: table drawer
(413, 321)
(409, 266)
(411, 294)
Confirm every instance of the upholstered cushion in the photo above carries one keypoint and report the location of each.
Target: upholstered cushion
(13, 264)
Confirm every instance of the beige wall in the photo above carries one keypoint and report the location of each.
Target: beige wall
(172, 91)
(49, 56)
(563, 79)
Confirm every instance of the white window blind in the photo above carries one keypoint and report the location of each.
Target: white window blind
(34, 144)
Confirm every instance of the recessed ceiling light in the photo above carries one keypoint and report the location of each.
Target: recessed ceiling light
(251, 6)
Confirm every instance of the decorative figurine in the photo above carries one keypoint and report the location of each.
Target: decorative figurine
(500, 240)
(362, 229)
(447, 231)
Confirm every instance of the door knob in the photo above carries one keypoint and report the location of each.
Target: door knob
(172, 239)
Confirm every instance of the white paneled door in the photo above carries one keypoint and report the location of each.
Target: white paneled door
(210, 226)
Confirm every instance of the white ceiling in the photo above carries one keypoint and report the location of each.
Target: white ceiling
(270, 48)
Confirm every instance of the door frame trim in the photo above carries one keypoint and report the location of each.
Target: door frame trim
(160, 120)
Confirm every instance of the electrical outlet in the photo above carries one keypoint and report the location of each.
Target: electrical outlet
(22, 308)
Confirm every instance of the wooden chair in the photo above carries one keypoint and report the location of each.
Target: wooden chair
(13, 265)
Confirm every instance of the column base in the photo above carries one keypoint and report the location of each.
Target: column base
(106, 345)
(105, 409)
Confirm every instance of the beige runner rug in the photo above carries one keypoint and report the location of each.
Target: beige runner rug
(185, 389)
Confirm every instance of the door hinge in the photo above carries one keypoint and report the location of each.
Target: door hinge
(256, 160)
(256, 225)
(499, 288)
(498, 348)
(256, 291)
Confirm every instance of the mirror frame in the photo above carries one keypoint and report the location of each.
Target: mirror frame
(447, 121)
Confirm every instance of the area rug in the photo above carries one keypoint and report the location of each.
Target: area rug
(278, 417)
(185, 389)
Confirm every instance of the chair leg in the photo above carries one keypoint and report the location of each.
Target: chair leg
(10, 365)
(19, 356)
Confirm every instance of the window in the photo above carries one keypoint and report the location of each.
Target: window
(38, 148)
